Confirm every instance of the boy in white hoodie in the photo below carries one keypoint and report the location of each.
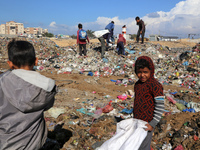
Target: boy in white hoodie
(24, 96)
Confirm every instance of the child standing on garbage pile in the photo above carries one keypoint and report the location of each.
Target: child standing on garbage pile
(120, 44)
(81, 40)
(24, 96)
(149, 98)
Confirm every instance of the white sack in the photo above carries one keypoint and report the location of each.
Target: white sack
(100, 33)
(129, 136)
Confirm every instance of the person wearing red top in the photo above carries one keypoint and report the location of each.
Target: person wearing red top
(149, 98)
(120, 44)
(82, 42)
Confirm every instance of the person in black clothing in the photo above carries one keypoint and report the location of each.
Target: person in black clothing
(141, 30)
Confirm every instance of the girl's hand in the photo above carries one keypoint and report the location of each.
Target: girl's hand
(149, 127)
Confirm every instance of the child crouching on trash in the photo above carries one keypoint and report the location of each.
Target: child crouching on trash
(120, 45)
(149, 98)
(24, 96)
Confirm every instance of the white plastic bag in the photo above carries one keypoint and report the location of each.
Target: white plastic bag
(129, 135)
(100, 33)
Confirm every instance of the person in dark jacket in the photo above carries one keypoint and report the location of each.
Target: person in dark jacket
(111, 27)
(120, 44)
(24, 96)
(141, 30)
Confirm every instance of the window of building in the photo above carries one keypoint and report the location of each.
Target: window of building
(12, 28)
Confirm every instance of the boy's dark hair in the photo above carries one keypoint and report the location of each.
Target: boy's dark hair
(80, 26)
(137, 18)
(113, 22)
(141, 63)
(21, 53)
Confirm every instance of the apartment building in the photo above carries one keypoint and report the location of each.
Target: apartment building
(2, 29)
(14, 28)
(35, 30)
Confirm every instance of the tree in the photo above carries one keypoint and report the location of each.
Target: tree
(90, 33)
(73, 36)
(48, 34)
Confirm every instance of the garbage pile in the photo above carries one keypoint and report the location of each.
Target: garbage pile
(92, 121)
(179, 132)
(3, 53)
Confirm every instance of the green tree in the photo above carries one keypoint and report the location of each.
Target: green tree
(90, 33)
(73, 36)
(48, 34)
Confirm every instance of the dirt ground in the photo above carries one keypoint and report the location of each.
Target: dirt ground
(76, 90)
(170, 44)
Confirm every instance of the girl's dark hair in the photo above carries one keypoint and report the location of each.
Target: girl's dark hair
(141, 63)
(21, 53)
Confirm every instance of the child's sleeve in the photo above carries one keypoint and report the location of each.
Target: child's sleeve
(159, 104)
(88, 39)
(52, 99)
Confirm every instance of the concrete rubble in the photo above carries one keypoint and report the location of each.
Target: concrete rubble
(92, 121)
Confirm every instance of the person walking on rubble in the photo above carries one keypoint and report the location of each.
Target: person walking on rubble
(149, 98)
(141, 30)
(106, 36)
(81, 40)
(25, 95)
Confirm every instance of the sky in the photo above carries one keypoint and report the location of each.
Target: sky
(164, 17)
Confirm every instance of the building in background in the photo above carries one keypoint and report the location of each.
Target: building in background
(35, 31)
(2, 29)
(13, 28)
(154, 37)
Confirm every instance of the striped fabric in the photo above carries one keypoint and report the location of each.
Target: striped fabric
(158, 110)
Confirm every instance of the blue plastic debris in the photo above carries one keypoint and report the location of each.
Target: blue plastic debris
(173, 93)
(125, 110)
(113, 80)
(190, 110)
(185, 63)
(130, 51)
(90, 73)
(105, 60)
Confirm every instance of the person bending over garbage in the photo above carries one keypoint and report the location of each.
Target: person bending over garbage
(120, 44)
(149, 98)
(106, 36)
(24, 96)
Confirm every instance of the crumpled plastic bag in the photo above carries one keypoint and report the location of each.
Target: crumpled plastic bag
(107, 108)
(100, 33)
(130, 134)
(55, 112)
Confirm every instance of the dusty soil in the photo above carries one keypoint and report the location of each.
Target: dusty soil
(78, 90)
(170, 44)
